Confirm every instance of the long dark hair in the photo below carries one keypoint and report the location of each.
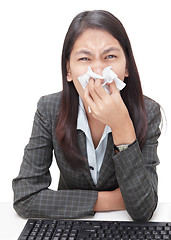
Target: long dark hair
(132, 94)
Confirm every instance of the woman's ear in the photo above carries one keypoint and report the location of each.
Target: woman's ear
(69, 76)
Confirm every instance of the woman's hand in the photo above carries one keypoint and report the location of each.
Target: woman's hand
(108, 109)
(111, 110)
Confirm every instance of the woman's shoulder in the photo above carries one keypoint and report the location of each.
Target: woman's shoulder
(150, 103)
(50, 103)
(152, 108)
(53, 98)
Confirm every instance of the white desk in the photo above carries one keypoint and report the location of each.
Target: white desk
(12, 224)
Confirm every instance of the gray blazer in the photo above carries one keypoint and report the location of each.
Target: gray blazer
(132, 170)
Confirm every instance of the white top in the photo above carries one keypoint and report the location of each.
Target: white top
(95, 156)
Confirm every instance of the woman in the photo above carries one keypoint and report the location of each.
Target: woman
(107, 156)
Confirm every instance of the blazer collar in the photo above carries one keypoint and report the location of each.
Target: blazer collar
(107, 168)
(82, 146)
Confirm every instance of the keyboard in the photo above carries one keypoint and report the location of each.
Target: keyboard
(83, 230)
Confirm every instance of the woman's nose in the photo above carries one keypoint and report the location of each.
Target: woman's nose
(98, 67)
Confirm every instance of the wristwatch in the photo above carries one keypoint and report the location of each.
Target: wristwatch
(122, 147)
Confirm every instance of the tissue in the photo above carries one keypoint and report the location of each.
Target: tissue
(108, 76)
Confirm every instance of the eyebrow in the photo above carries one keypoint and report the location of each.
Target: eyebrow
(83, 51)
(87, 52)
(111, 49)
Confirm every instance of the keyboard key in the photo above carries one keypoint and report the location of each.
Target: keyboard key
(148, 237)
(31, 238)
(23, 238)
(27, 231)
(126, 238)
(84, 233)
(166, 237)
(167, 228)
(157, 237)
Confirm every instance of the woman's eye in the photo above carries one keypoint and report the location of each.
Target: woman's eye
(84, 59)
(110, 57)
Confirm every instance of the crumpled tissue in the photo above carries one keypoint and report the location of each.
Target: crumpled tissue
(108, 77)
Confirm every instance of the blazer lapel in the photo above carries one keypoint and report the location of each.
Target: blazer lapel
(107, 168)
(82, 146)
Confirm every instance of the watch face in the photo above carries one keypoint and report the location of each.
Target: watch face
(122, 147)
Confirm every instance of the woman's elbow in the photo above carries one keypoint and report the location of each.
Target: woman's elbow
(22, 207)
(20, 210)
(143, 216)
(144, 209)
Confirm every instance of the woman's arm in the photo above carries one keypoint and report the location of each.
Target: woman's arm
(136, 175)
(32, 196)
(135, 169)
(136, 172)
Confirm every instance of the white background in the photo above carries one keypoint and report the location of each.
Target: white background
(31, 39)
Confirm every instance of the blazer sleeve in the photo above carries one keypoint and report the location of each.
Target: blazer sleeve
(136, 170)
(32, 196)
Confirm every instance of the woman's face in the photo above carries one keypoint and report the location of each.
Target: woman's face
(97, 49)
